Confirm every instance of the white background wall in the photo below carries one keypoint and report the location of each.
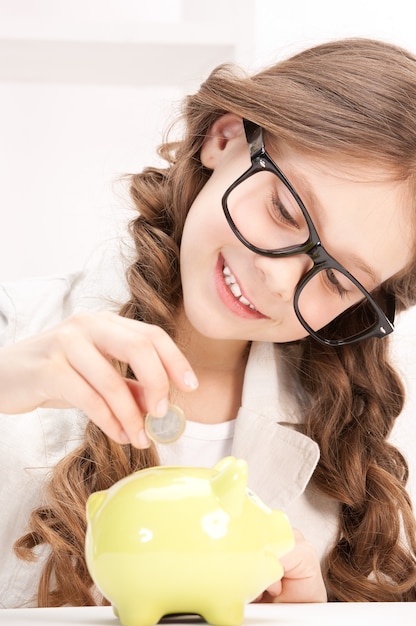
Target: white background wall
(88, 86)
(283, 27)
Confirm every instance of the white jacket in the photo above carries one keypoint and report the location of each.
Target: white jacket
(281, 460)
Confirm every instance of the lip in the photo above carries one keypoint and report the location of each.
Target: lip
(228, 299)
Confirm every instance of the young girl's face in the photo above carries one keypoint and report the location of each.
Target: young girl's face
(363, 220)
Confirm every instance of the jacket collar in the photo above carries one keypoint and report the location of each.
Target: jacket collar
(281, 459)
(269, 388)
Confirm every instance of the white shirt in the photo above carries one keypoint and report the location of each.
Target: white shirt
(280, 459)
(201, 445)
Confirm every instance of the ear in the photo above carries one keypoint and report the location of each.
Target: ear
(223, 131)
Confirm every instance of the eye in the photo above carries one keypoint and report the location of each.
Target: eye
(281, 213)
(333, 283)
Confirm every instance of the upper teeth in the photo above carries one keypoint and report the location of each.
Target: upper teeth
(235, 287)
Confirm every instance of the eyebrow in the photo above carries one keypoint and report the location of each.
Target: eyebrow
(312, 204)
(364, 267)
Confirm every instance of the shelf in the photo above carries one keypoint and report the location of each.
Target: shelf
(38, 29)
(59, 43)
(119, 63)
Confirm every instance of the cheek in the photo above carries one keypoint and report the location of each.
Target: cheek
(205, 226)
(290, 330)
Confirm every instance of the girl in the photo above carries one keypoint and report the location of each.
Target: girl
(270, 256)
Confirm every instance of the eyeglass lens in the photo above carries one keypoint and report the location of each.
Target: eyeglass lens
(267, 215)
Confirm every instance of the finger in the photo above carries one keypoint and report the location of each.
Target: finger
(303, 590)
(275, 589)
(75, 391)
(302, 579)
(176, 364)
(153, 357)
(106, 383)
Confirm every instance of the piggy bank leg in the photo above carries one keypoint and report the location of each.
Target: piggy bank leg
(225, 614)
(140, 614)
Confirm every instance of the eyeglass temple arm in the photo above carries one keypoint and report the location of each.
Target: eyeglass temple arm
(391, 307)
(254, 136)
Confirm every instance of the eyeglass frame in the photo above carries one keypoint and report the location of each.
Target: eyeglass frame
(312, 247)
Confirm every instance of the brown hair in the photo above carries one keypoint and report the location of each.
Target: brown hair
(348, 99)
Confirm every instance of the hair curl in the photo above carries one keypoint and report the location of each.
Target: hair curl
(351, 99)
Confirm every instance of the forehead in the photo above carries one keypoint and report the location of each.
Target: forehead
(357, 208)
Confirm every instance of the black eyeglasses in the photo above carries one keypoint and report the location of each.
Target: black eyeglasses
(268, 217)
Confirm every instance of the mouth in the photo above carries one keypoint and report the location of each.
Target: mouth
(235, 288)
(232, 293)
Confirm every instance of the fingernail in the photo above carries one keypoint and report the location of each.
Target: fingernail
(142, 440)
(162, 408)
(190, 380)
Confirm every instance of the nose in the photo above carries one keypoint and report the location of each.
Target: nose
(281, 275)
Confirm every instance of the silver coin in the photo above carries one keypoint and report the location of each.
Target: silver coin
(168, 428)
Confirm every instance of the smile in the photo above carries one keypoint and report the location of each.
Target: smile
(234, 287)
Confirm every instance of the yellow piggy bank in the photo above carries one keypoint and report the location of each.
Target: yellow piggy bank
(170, 540)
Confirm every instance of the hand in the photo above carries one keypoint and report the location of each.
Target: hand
(302, 579)
(69, 366)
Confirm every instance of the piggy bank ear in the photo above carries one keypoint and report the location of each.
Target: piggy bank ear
(94, 502)
(230, 484)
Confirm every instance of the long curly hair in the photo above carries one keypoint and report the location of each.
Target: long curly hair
(351, 99)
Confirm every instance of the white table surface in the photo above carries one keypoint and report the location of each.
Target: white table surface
(331, 614)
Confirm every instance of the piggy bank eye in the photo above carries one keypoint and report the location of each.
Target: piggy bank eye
(256, 500)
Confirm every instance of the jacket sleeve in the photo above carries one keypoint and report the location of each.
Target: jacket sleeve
(30, 306)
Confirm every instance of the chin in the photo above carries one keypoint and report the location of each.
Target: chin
(213, 327)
